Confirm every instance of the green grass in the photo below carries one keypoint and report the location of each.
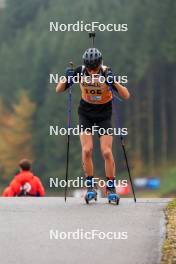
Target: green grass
(2, 187)
(168, 184)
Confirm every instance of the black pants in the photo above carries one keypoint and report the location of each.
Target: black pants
(93, 125)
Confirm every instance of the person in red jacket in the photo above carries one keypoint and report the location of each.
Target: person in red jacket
(8, 192)
(24, 183)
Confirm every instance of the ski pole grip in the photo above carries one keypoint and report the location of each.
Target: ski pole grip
(92, 35)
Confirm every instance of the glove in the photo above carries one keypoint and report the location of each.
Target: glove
(110, 77)
(69, 73)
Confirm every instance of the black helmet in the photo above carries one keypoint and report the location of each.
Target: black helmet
(92, 58)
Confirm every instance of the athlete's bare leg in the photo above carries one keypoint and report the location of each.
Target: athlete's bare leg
(87, 147)
(106, 150)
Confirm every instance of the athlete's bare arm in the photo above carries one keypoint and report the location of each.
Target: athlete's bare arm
(122, 91)
(60, 87)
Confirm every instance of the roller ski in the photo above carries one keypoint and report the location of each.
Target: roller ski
(91, 192)
(112, 196)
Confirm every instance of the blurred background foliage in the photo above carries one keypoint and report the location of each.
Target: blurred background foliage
(29, 52)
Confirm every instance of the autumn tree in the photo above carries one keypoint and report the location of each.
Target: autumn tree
(16, 134)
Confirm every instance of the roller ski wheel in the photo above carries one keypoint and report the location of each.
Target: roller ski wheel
(90, 195)
(113, 198)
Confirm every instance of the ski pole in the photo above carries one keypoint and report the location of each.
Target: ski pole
(69, 102)
(117, 121)
(92, 35)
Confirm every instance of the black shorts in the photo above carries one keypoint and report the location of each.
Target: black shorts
(95, 125)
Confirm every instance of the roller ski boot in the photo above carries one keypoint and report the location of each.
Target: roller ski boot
(91, 192)
(112, 196)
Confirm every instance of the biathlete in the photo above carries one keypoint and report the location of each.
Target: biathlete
(95, 108)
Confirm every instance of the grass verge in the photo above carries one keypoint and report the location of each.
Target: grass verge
(169, 246)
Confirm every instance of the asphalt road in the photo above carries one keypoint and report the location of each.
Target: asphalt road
(30, 230)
